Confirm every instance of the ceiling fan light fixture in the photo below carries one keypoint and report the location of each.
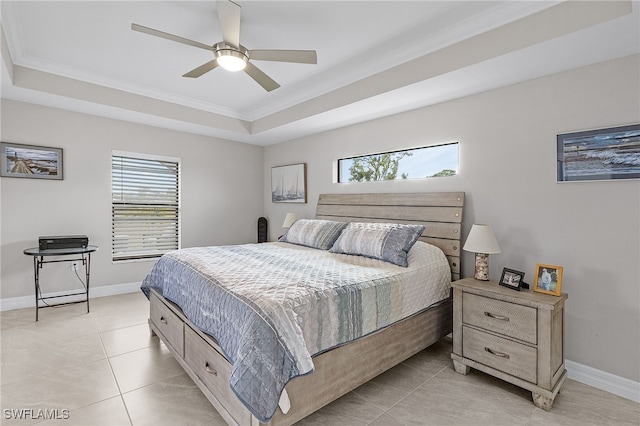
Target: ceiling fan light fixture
(231, 59)
(230, 54)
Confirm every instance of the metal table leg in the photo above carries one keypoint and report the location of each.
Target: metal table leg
(37, 264)
(87, 270)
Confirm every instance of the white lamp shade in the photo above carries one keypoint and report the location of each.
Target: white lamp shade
(481, 240)
(289, 219)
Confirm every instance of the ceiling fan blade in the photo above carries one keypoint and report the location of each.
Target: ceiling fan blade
(299, 56)
(171, 37)
(261, 78)
(229, 17)
(204, 68)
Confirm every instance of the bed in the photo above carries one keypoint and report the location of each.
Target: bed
(277, 361)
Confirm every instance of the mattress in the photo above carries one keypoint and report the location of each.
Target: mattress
(272, 306)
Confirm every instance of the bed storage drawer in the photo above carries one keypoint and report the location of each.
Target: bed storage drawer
(509, 319)
(214, 371)
(168, 324)
(502, 354)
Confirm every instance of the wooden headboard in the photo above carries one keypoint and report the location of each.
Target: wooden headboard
(439, 212)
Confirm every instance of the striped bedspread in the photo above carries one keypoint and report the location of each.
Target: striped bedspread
(272, 306)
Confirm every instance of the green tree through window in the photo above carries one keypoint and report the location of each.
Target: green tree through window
(377, 167)
(425, 162)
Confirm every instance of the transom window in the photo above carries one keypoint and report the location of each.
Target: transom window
(145, 205)
(416, 163)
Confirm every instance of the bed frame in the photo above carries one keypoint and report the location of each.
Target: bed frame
(342, 369)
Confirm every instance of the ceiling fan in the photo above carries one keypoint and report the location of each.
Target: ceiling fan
(230, 54)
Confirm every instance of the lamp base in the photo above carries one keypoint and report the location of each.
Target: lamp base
(482, 267)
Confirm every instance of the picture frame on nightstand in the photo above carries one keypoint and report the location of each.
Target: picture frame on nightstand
(548, 279)
(512, 279)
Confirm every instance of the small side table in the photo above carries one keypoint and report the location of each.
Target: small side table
(82, 254)
(516, 336)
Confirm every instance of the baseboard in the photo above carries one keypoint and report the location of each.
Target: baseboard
(11, 303)
(602, 380)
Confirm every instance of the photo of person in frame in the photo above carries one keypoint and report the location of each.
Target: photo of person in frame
(545, 280)
(548, 279)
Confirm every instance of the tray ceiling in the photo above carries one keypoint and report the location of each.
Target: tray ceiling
(375, 58)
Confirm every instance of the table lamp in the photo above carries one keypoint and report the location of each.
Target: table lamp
(482, 242)
(288, 220)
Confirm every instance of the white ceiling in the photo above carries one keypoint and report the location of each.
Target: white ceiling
(375, 58)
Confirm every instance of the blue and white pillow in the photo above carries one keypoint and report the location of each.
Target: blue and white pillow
(390, 242)
(320, 234)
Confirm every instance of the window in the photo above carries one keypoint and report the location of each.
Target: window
(430, 161)
(145, 207)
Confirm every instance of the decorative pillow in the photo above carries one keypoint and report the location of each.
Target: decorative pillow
(320, 234)
(390, 242)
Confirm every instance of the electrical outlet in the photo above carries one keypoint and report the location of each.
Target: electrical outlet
(73, 266)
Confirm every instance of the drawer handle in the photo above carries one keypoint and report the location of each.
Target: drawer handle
(162, 320)
(496, 353)
(494, 316)
(209, 369)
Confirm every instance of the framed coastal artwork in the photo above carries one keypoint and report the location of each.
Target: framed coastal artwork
(30, 161)
(601, 154)
(289, 183)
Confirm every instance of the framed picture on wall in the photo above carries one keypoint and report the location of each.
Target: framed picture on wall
(30, 161)
(548, 279)
(289, 183)
(601, 154)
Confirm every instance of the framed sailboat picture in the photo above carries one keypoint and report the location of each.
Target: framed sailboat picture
(289, 184)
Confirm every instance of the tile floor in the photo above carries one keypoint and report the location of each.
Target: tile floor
(105, 369)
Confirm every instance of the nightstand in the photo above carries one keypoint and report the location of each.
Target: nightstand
(516, 336)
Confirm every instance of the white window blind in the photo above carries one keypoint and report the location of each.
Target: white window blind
(145, 206)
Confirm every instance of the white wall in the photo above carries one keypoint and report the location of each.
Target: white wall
(507, 169)
(221, 192)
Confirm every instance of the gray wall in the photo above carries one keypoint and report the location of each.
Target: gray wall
(507, 169)
(221, 192)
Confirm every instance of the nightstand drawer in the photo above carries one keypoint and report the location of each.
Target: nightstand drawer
(510, 357)
(510, 319)
(168, 324)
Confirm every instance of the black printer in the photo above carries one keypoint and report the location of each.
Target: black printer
(63, 242)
